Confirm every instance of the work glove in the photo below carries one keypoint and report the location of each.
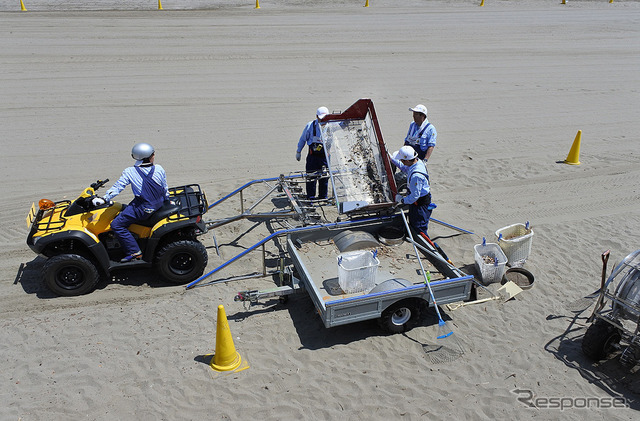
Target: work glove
(298, 156)
(98, 201)
(399, 198)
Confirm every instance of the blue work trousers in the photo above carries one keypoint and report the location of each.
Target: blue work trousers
(419, 214)
(314, 165)
(120, 226)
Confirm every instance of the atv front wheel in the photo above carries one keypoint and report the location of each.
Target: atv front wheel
(600, 340)
(69, 275)
(182, 261)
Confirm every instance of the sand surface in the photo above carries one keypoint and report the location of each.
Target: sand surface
(223, 93)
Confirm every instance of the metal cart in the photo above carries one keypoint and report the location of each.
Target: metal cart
(616, 315)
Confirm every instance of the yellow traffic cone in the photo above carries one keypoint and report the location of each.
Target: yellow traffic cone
(574, 153)
(564, 1)
(226, 358)
(24, 9)
(159, 5)
(366, 4)
(482, 3)
(257, 4)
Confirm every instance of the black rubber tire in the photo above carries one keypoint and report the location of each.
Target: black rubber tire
(600, 339)
(400, 317)
(182, 261)
(69, 275)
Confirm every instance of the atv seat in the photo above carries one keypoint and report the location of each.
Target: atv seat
(167, 209)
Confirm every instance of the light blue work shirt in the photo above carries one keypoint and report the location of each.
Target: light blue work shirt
(416, 180)
(422, 137)
(130, 176)
(311, 134)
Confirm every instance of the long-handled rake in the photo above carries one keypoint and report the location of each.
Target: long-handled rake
(447, 348)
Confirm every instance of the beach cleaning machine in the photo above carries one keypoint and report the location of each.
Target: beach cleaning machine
(352, 253)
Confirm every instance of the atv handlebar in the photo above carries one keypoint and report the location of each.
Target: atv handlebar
(99, 183)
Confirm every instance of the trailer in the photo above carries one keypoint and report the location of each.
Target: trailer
(364, 221)
(399, 290)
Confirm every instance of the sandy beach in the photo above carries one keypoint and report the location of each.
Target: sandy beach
(223, 91)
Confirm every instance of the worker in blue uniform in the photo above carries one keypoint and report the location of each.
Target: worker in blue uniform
(316, 158)
(422, 134)
(419, 197)
(149, 184)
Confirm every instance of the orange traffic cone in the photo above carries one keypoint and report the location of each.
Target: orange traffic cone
(226, 358)
(574, 153)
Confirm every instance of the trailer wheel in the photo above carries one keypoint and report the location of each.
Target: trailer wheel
(182, 261)
(400, 317)
(600, 340)
(69, 275)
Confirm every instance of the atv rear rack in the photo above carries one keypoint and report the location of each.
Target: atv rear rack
(190, 198)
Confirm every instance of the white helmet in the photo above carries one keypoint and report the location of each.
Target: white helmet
(406, 153)
(141, 151)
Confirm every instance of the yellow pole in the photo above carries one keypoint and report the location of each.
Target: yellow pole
(482, 3)
(610, 1)
(257, 4)
(159, 5)
(366, 3)
(564, 1)
(24, 9)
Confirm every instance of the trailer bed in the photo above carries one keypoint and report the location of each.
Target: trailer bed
(314, 255)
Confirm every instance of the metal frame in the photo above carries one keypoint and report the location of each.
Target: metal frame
(620, 309)
(300, 208)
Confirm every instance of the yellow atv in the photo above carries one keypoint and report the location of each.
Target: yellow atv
(80, 247)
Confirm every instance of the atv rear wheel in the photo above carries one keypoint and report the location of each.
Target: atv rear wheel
(181, 261)
(69, 275)
(600, 340)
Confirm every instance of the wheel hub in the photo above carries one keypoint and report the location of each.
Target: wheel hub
(69, 277)
(182, 263)
(401, 316)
